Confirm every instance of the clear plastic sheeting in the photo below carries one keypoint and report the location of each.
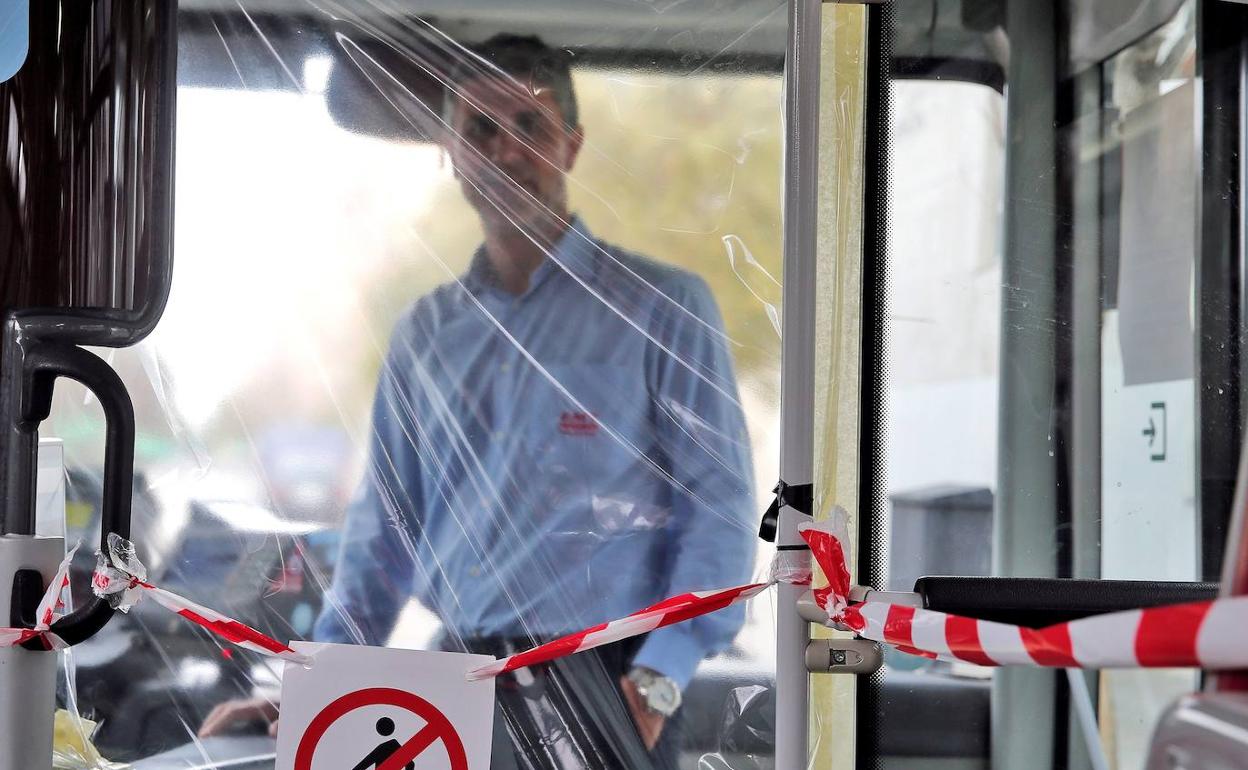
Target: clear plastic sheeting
(471, 344)
(747, 732)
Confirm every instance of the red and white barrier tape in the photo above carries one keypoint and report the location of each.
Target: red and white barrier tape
(831, 558)
(1208, 635)
(674, 610)
(122, 579)
(1203, 634)
(786, 568)
(48, 612)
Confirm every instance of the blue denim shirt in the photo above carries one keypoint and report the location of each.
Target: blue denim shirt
(544, 462)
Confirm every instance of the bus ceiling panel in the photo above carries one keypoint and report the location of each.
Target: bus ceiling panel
(1101, 28)
(964, 39)
(958, 40)
(263, 44)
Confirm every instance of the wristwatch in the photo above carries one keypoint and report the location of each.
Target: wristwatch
(660, 693)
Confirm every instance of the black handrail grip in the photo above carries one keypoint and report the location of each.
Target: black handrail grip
(45, 362)
(1039, 602)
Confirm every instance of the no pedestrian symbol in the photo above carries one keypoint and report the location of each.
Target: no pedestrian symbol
(437, 729)
(367, 708)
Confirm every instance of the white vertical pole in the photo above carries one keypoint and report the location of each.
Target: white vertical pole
(27, 677)
(797, 370)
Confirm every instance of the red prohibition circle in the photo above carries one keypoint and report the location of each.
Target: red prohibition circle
(437, 727)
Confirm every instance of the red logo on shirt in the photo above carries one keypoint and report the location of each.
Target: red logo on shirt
(577, 424)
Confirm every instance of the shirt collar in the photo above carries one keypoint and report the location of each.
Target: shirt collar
(574, 253)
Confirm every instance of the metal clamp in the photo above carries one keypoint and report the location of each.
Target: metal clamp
(811, 612)
(844, 656)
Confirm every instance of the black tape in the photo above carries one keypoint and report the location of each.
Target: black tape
(800, 497)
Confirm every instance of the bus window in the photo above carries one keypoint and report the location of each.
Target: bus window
(1135, 176)
(941, 338)
(942, 300)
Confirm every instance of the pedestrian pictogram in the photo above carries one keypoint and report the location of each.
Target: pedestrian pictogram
(388, 748)
(367, 708)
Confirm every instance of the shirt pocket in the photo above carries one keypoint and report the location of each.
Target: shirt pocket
(593, 441)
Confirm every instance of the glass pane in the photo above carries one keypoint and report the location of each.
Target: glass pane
(1149, 528)
(941, 355)
(1148, 352)
(463, 371)
(942, 335)
(1040, 355)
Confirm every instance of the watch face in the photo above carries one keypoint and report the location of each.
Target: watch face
(660, 693)
(663, 696)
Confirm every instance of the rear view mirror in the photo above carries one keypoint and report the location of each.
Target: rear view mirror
(388, 74)
(389, 87)
(86, 166)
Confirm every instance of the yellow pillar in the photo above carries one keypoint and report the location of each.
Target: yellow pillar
(839, 324)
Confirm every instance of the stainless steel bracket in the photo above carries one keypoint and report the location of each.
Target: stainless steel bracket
(844, 656)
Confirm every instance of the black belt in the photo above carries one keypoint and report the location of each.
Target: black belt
(502, 646)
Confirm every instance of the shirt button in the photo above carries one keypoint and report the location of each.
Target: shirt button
(474, 571)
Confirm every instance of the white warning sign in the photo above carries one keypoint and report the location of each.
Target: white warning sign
(371, 708)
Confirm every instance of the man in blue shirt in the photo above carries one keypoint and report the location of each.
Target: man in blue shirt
(557, 441)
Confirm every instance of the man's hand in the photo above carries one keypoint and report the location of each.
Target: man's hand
(649, 723)
(233, 712)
